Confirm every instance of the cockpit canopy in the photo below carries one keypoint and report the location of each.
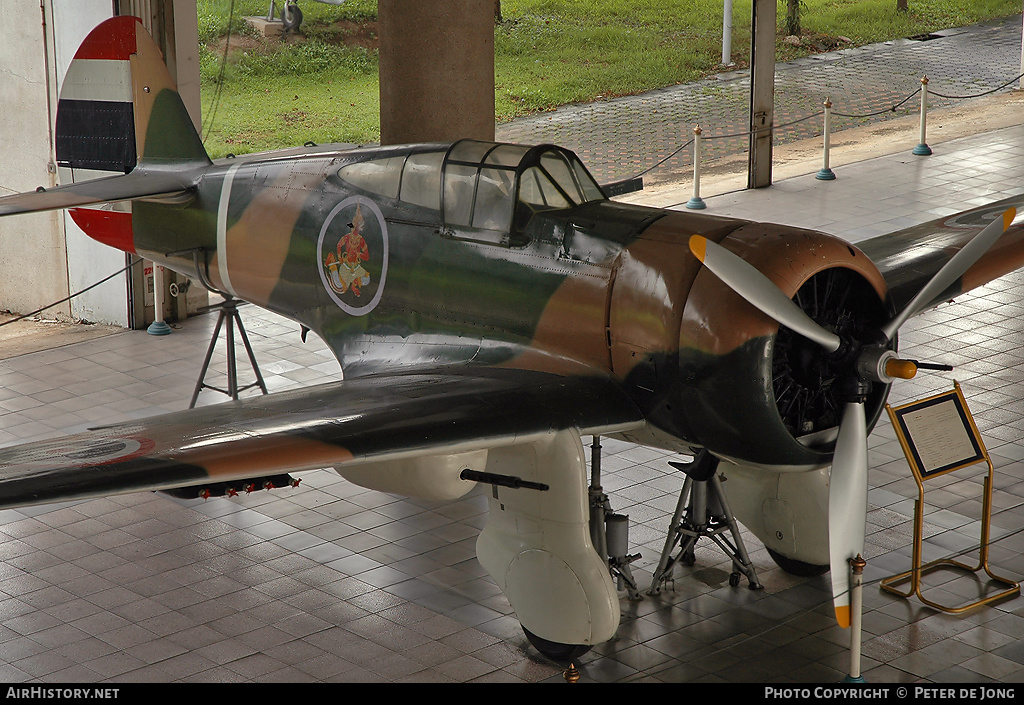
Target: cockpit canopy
(484, 191)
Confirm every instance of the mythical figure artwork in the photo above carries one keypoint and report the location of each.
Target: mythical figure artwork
(353, 264)
(346, 270)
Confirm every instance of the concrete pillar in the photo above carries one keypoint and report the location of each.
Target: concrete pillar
(762, 92)
(436, 70)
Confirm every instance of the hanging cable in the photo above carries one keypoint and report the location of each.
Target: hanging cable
(208, 122)
(978, 95)
(68, 298)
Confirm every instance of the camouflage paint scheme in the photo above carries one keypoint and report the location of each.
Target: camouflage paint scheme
(603, 291)
(461, 323)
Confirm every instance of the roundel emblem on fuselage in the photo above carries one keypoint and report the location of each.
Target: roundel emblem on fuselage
(353, 255)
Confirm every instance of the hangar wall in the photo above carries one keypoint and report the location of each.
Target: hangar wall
(33, 262)
(45, 257)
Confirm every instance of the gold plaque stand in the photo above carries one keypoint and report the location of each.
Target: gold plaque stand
(939, 436)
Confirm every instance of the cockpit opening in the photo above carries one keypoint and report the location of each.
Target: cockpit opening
(484, 191)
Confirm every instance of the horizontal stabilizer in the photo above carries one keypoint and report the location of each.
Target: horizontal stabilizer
(143, 182)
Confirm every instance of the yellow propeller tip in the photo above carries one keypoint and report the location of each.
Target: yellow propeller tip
(698, 246)
(843, 616)
(1008, 217)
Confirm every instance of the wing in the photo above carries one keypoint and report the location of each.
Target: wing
(909, 258)
(373, 418)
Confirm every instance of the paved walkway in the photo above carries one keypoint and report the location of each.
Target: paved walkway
(622, 137)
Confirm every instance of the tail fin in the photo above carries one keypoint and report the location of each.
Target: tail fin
(119, 107)
(119, 112)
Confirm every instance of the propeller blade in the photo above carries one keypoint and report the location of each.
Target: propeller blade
(951, 271)
(759, 291)
(847, 504)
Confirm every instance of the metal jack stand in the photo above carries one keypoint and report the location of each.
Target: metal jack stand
(702, 511)
(610, 532)
(228, 314)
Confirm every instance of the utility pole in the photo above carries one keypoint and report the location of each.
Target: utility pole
(762, 93)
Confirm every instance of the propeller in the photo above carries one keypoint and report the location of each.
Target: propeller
(870, 361)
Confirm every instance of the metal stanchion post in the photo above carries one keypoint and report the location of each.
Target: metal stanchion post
(856, 612)
(158, 326)
(922, 149)
(696, 203)
(727, 34)
(825, 173)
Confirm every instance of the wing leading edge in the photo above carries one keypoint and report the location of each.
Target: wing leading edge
(911, 257)
(374, 418)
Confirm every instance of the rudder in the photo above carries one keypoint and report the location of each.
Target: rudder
(119, 106)
(118, 109)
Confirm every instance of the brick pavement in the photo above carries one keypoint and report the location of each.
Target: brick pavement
(623, 137)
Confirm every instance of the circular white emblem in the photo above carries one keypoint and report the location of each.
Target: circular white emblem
(978, 218)
(70, 452)
(353, 253)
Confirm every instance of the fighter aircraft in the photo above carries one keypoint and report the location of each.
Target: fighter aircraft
(489, 306)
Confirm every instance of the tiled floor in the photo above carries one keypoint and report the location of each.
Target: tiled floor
(330, 582)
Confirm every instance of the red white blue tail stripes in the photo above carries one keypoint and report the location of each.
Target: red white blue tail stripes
(95, 117)
(95, 130)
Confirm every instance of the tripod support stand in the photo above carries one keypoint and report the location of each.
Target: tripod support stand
(702, 512)
(229, 319)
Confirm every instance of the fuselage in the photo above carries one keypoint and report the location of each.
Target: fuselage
(480, 254)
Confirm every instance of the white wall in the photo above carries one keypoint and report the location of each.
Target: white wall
(87, 260)
(33, 265)
(44, 257)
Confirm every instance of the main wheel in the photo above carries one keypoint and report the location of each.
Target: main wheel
(555, 651)
(291, 17)
(798, 568)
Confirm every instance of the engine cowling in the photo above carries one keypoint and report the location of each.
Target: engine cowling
(758, 394)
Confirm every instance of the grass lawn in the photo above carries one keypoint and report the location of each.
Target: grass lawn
(322, 86)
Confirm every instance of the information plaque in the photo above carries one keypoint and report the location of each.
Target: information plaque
(939, 436)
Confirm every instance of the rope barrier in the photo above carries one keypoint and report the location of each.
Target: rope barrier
(647, 171)
(920, 149)
(979, 95)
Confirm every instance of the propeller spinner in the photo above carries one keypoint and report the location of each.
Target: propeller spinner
(868, 361)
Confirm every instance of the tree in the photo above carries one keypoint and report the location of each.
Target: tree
(793, 17)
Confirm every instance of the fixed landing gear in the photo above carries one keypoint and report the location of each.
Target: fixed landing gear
(562, 653)
(797, 568)
(609, 536)
(610, 532)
